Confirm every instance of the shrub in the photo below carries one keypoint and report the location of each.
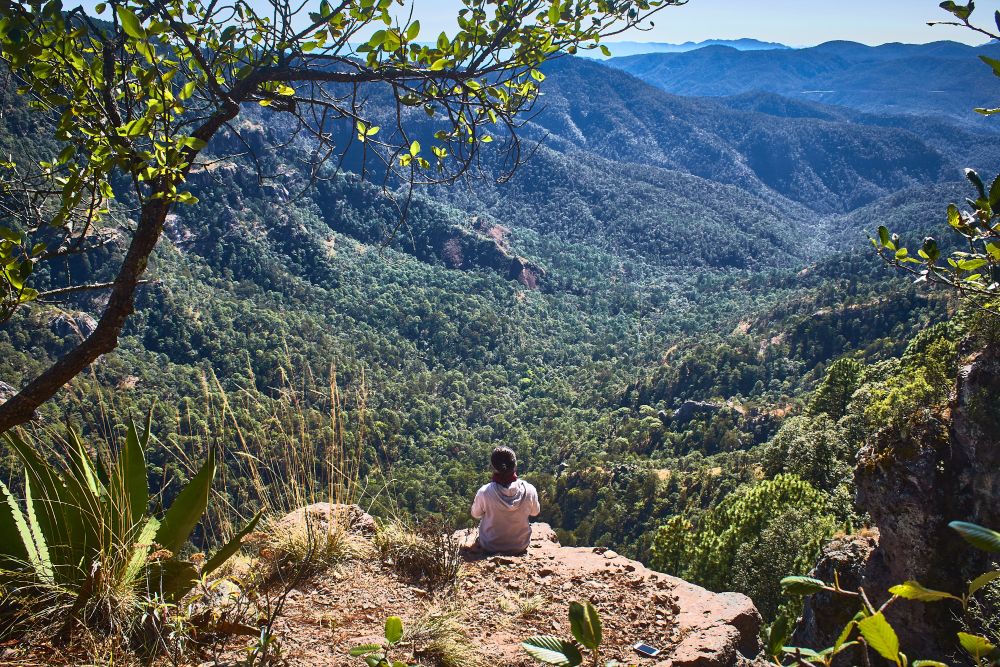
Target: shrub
(585, 623)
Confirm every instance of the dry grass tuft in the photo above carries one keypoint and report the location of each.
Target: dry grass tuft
(439, 636)
(428, 553)
(522, 605)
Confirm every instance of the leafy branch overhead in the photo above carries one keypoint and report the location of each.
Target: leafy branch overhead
(136, 95)
(974, 269)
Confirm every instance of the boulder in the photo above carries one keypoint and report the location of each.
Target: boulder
(320, 516)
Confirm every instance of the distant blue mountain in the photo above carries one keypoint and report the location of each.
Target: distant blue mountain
(940, 78)
(621, 49)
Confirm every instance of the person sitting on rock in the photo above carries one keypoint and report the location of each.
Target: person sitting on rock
(504, 507)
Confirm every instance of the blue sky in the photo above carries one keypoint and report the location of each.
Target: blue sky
(794, 22)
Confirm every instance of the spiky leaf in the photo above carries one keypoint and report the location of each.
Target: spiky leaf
(231, 547)
(187, 509)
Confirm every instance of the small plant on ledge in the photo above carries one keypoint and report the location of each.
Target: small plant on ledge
(585, 624)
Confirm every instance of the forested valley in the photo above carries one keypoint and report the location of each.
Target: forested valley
(672, 311)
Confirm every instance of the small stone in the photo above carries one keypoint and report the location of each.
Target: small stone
(568, 586)
(609, 554)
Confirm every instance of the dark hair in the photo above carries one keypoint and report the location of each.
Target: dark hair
(503, 459)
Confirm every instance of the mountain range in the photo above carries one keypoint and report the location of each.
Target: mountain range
(940, 78)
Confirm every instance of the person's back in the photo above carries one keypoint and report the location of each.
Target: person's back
(504, 507)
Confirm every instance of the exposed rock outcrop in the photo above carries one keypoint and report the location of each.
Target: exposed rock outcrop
(6, 392)
(77, 324)
(947, 470)
(692, 626)
(484, 247)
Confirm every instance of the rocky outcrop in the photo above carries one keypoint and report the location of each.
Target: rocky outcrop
(484, 247)
(501, 600)
(78, 324)
(6, 392)
(826, 614)
(948, 469)
(691, 625)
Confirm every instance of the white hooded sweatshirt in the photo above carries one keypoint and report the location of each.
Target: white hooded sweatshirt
(504, 512)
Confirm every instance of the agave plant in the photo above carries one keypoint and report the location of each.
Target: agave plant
(85, 528)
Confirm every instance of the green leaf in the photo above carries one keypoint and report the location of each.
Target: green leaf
(413, 31)
(131, 24)
(364, 649)
(883, 235)
(552, 651)
(995, 193)
(802, 585)
(961, 11)
(439, 64)
(142, 547)
(15, 538)
(977, 182)
(393, 629)
(585, 623)
(983, 539)
(992, 62)
(912, 590)
(844, 635)
(982, 581)
(971, 264)
(187, 509)
(928, 663)
(880, 636)
(777, 635)
(129, 477)
(976, 646)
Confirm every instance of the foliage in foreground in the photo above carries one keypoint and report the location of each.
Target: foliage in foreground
(84, 532)
(585, 624)
(973, 270)
(870, 631)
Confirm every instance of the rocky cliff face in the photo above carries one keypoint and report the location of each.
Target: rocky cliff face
(693, 627)
(912, 489)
